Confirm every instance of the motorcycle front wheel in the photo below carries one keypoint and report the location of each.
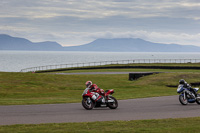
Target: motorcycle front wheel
(182, 100)
(87, 103)
(198, 99)
(114, 104)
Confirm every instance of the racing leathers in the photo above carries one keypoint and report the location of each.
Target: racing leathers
(98, 94)
(186, 85)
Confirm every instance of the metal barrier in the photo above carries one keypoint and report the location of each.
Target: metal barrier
(60, 66)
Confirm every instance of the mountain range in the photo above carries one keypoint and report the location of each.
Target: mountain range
(108, 45)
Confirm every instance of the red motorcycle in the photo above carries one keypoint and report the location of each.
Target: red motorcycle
(104, 99)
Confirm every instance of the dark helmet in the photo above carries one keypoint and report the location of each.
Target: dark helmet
(181, 81)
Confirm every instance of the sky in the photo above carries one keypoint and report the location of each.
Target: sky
(78, 22)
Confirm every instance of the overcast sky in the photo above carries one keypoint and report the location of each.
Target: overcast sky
(77, 22)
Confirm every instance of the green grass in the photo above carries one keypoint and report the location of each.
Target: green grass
(41, 88)
(37, 88)
(181, 125)
(45, 88)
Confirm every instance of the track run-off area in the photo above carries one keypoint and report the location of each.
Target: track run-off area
(132, 109)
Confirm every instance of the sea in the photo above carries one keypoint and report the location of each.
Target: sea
(14, 61)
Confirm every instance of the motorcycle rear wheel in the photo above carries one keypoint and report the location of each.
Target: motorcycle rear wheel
(112, 105)
(198, 99)
(182, 100)
(87, 105)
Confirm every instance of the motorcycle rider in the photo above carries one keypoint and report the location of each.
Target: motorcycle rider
(93, 88)
(186, 85)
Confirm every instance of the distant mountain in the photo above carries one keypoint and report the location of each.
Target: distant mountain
(132, 45)
(14, 43)
(108, 45)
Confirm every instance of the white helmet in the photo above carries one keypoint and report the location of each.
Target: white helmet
(88, 84)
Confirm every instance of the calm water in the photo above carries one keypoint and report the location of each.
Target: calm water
(14, 61)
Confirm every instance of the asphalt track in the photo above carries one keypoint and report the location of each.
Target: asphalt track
(133, 109)
(94, 73)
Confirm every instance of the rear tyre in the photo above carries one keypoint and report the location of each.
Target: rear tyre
(198, 99)
(87, 103)
(114, 104)
(182, 100)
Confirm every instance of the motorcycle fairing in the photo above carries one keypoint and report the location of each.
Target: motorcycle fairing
(180, 89)
(109, 92)
(196, 89)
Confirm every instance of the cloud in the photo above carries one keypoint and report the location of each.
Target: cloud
(73, 22)
(99, 9)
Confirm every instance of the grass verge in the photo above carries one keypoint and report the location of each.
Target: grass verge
(181, 125)
(37, 88)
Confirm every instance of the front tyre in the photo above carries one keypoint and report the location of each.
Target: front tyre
(87, 103)
(182, 100)
(113, 104)
(198, 99)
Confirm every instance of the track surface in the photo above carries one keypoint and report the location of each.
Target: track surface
(93, 73)
(133, 109)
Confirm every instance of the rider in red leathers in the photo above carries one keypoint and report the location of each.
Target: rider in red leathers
(97, 92)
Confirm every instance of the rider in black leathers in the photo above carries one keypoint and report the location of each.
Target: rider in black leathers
(186, 85)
